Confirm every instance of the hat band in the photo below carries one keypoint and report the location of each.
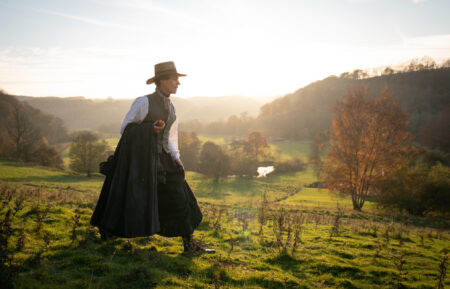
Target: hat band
(165, 71)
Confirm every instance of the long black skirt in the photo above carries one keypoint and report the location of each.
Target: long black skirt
(145, 193)
(179, 213)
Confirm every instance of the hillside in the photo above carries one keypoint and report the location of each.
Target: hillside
(425, 95)
(27, 134)
(82, 113)
(215, 108)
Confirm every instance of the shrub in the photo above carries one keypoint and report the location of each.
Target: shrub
(417, 190)
(214, 162)
(86, 152)
(289, 166)
(432, 157)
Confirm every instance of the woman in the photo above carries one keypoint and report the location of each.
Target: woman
(145, 192)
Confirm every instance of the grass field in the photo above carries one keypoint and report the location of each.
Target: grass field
(53, 246)
(46, 178)
(282, 150)
(296, 238)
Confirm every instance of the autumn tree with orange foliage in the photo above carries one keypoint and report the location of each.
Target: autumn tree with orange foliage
(368, 139)
(256, 145)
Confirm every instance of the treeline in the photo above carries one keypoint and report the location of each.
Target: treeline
(241, 157)
(28, 135)
(79, 113)
(422, 89)
(416, 64)
(234, 125)
(106, 115)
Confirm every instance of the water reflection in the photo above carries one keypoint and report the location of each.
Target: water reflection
(264, 171)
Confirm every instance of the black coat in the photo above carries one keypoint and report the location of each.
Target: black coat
(145, 193)
(128, 202)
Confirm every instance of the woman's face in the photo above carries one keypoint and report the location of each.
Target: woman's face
(170, 85)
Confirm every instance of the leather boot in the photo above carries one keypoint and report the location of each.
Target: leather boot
(105, 235)
(191, 247)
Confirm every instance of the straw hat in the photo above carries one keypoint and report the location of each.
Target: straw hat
(163, 69)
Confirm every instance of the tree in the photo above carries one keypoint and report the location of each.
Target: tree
(368, 139)
(189, 144)
(26, 134)
(45, 155)
(86, 152)
(315, 156)
(52, 128)
(358, 74)
(241, 164)
(388, 71)
(256, 145)
(22, 132)
(213, 161)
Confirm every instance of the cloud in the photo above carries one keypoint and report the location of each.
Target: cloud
(163, 10)
(418, 1)
(79, 18)
(91, 72)
(440, 41)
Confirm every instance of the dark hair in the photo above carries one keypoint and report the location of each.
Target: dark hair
(164, 77)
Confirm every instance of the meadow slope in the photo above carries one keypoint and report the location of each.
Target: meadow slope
(274, 232)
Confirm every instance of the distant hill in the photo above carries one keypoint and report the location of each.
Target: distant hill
(425, 94)
(215, 108)
(82, 113)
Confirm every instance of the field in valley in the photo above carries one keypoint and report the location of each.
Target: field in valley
(274, 232)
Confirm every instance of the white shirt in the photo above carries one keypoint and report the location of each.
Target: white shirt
(137, 113)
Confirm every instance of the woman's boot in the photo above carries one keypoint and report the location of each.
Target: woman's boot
(105, 235)
(192, 247)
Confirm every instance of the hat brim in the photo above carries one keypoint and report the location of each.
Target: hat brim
(152, 80)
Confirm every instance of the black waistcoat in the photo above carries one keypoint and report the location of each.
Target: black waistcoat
(157, 111)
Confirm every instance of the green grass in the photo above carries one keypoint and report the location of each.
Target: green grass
(358, 257)
(289, 149)
(218, 139)
(43, 177)
(255, 262)
(281, 150)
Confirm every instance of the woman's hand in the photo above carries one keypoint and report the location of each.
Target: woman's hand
(158, 126)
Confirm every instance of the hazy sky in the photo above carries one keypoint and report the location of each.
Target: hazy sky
(260, 48)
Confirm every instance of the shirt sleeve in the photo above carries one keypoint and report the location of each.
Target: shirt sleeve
(137, 113)
(173, 141)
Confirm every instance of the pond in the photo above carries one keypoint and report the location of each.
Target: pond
(264, 171)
